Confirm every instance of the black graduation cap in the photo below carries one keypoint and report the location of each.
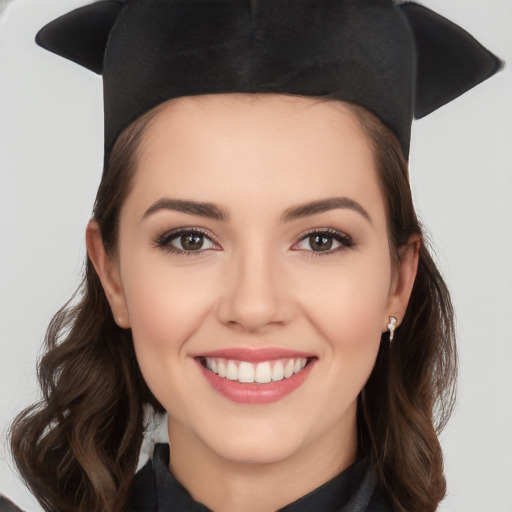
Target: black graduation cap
(398, 61)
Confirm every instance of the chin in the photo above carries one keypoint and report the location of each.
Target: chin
(249, 449)
(260, 441)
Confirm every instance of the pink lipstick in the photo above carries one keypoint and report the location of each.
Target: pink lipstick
(251, 376)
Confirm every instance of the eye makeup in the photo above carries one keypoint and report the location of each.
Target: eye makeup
(321, 242)
(193, 241)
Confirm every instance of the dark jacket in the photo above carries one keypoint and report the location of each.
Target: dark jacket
(354, 490)
(8, 506)
(154, 489)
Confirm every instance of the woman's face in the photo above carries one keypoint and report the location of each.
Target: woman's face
(253, 242)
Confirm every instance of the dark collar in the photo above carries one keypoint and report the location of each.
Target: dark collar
(353, 490)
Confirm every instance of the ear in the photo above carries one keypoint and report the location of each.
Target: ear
(403, 280)
(107, 269)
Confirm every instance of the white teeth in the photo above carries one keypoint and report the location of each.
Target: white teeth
(288, 369)
(246, 372)
(261, 373)
(232, 371)
(221, 367)
(278, 371)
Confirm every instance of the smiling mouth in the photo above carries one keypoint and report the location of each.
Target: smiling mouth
(262, 372)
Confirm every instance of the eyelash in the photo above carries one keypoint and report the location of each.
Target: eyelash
(345, 241)
(164, 241)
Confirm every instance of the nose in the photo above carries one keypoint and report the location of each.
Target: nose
(256, 296)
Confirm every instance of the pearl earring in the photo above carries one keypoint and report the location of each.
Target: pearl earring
(392, 327)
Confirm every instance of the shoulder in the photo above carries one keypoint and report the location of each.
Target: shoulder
(369, 496)
(8, 506)
(378, 501)
(143, 495)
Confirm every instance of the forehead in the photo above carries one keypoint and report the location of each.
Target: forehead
(256, 111)
(255, 117)
(287, 148)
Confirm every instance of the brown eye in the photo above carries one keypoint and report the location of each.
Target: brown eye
(320, 242)
(327, 242)
(185, 241)
(191, 241)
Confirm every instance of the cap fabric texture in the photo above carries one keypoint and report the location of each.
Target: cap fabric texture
(398, 61)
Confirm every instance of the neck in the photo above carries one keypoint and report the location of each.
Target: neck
(232, 486)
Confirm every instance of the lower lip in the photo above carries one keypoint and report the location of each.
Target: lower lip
(256, 393)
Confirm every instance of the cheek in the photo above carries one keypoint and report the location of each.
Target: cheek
(348, 304)
(167, 304)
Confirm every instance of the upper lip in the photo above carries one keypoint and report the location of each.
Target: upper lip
(251, 355)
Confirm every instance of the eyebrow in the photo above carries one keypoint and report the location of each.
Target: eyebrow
(213, 211)
(209, 210)
(323, 205)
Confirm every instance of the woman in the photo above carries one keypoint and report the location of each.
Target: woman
(254, 343)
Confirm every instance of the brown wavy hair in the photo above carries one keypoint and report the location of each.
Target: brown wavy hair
(78, 447)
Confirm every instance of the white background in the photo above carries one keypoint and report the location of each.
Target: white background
(461, 172)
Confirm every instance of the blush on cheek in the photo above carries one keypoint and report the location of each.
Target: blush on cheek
(352, 320)
(165, 306)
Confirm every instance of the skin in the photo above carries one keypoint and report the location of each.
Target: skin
(258, 284)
